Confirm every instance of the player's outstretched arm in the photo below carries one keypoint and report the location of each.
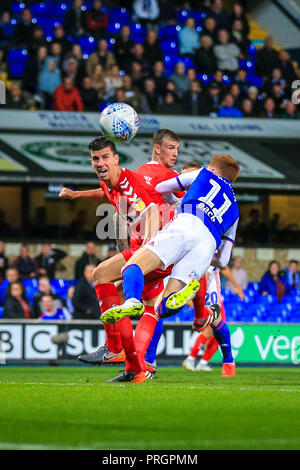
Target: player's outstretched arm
(179, 183)
(96, 194)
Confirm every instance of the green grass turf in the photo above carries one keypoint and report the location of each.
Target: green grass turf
(71, 408)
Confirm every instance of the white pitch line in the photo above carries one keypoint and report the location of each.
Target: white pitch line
(201, 444)
(167, 386)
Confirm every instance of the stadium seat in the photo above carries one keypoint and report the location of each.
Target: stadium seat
(253, 285)
(182, 16)
(1, 312)
(188, 62)
(119, 14)
(60, 287)
(170, 60)
(169, 47)
(16, 61)
(3, 288)
(169, 33)
(87, 44)
(17, 8)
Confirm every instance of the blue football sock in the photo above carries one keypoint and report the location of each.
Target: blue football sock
(133, 282)
(151, 351)
(222, 335)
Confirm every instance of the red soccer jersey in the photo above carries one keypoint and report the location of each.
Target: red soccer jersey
(155, 173)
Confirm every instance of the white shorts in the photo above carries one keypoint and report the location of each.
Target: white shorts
(213, 289)
(187, 243)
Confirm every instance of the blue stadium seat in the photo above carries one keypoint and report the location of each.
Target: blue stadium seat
(199, 16)
(1, 312)
(119, 14)
(254, 286)
(60, 287)
(3, 288)
(87, 44)
(16, 61)
(170, 60)
(169, 47)
(169, 33)
(17, 8)
(138, 33)
(182, 16)
(189, 63)
(114, 27)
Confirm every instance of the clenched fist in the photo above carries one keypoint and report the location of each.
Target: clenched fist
(67, 193)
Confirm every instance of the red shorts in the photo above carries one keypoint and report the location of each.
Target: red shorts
(153, 281)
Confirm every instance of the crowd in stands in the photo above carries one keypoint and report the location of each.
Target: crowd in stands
(159, 56)
(29, 289)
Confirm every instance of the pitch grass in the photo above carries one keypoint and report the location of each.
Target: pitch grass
(72, 408)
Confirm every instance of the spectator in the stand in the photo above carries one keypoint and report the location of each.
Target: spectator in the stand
(290, 111)
(76, 52)
(16, 304)
(275, 78)
(26, 266)
(272, 282)
(132, 94)
(44, 289)
(97, 20)
(98, 81)
(228, 109)
(112, 250)
(88, 257)
(113, 80)
(210, 29)
(247, 109)
(269, 109)
(48, 259)
(139, 56)
(219, 78)
(85, 302)
(227, 53)
(169, 106)
(75, 20)
(15, 98)
(211, 101)
(123, 49)
(279, 97)
(188, 39)
(159, 77)
(239, 274)
(237, 95)
(119, 96)
(240, 79)
(286, 66)
(146, 12)
(38, 40)
(182, 82)
(150, 97)
(267, 59)
(4, 264)
(253, 97)
(12, 275)
(52, 312)
(168, 13)
(219, 14)
(254, 230)
(67, 97)
(89, 95)
(192, 99)
(101, 56)
(24, 29)
(6, 29)
(238, 14)
(60, 38)
(240, 37)
(33, 67)
(69, 300)
(56, 53)
(152, 48)
(205, 59)
(71, 69)
(172, 88)
(292, 275)
(48, 80)
(137, 75)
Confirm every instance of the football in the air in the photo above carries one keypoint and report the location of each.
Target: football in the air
(119, 122)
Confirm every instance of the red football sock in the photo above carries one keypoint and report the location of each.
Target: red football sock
(108, 296)
(211, 348)
(199, 300)
(133, 363)
(144, 332)
(199, 343)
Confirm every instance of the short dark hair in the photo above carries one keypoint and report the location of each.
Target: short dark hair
(159, 136)
(101, 143)
(293, 261)
(191, 164)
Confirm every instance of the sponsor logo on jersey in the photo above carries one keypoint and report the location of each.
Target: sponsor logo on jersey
(139, 205)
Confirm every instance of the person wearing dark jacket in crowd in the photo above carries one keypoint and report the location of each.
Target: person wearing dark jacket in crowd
(97, 20)
(123, 49)
(89, 95)
(238, 14)
(16, 305)
(273, 283)
(48, 259)
(152, 48)
(85, 302)
(4, 264)
(75, 19)
(33, 67)
(44, 289)
(88, 257)
(205, 59)
(26, 266)
(23, 33)
(267, 59)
